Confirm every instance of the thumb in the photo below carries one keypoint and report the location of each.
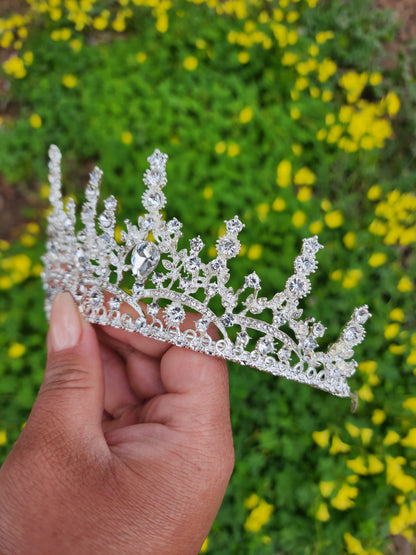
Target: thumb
(71, 398)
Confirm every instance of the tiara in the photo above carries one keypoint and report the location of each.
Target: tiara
(145, 269)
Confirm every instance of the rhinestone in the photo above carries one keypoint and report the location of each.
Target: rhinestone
(242, 338)
(192, 264)
(144, 258)
(211, 289)
(279, 319)
(158, 279)
(305, 264)
(228, 247)
(227, 319)
(284, 354)
(202, 324)
(298, 286)
(115, 303)
(184, 283)
(81, 257)
(82, 236)
(252, 280)
(138, 289)
(234, 226)
(174, 225)
(110, 203)
(310, 344)
(318, 330)
(311, 245)
(352, 334)
(140, 322)
(196, 244)
(217, 265)
(145, 223)
(95, 298)
(79, 292)
(153, 308)
(153, 200)
(362, 314)
(264, 345)
(174, 314)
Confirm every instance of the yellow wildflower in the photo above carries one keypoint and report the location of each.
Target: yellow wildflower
(316, 227)
(126, 138)
(321, 438)
(326, 488)
(410, 404)
(279, 204)
(220, 147)
(204, 546)
(410, 439)
(295, 113)
(35, 121)
(258, 517)
(289, 58)
(304, 194)
(16, 350)
(299, 218)
(322, 513)
(391, 330)
(353, 545)
(338, 446)
(366, 435)
(397, 314)
(254, 252)
(207, 193)
(393, 103)
(327, 68)
(352, 278)
(375, 79)
(190, 63)
(141, 57)
(27, 240)
(233, 150)
(367, 366)
(375, 466)
(357, 465)
(297, 149)
(365, 393)
(405, 284)
(391, 438)
(377, 259)
(344, 498)
(350, 239)
(162, 23)
(69, 81)
(378, 416)
(251, 501)
(353, 430)
(3, 437)
(262, 211)
(334, 219)
(243, 57)
(246, 114)
(284, 173)
(304, 176)
(323, 36)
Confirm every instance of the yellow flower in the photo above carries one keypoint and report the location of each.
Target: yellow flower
(334, 219)
(365, 393)
(297, 149)
(410, 404)
(304, 176)
(289, 58)
(243, 57)
(76, 45)
(357, 465)
(299, 218)
(279, 204)
(204, 546)
(350, 239)
(410, 439)
(321, 438)
(397, 314)
(313, 50)
(377, 259)
(323, 36)
(367, 366)
(16, 350)
(100, 23)
(391, 438)
(27, 240)
(246, 114)
(352, 278)
(35, 121)
(190, 63)
(344, 498)
(233, 150)
(378, 417)
(316, 227)
(251, 501)
(284, 173)
(393, 103)
(304, 194)
(335, 275)
(391, 330)
(322, 513)
(326, 488)
(353, 545)
(207, 193)
(69, 81)
(327, 68)
(162, 23)
(254, 252)
(295, 113)
(375, 466)
(366, 435)
(258, 517)
(126, 138)
(3, 437)
(220, 147)
(327, 95)
(212, 251)
(141, 57)
(405, 284)
(375, 79)
(262, 211)
(338, 446)
(353, 430)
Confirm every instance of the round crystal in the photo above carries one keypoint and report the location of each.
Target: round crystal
(153, 308)
(352, 334)
(193, 264)
(196, 244)
(284, 354)
(234, 226)
(105, 220)
(252, 280)
(174, 314)
(144, 258)
(114, 303)
(298, 286)
(242, 338)
(228, 247)
(362, 314)
(202, 325)
(264, 345)
(305, 264)
(227, 319)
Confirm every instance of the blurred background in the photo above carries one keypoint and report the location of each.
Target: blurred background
(299, 116)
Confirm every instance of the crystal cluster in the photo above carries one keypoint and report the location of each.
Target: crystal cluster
(91, 264)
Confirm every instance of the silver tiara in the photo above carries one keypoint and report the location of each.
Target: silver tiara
(161, 283)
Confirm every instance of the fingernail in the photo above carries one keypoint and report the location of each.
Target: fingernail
(65, 325)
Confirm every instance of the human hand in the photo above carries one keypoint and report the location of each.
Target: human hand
(128, 448)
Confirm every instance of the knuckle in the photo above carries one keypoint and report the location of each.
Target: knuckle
(64, 374)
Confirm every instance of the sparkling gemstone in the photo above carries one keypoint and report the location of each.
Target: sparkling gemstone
(217, 265)
(193, 264)
(196, 244)
(138, 289)
(279, 319)
(105, 220)
(144, 258)
(157, 160)
(362, 314)
(153, 308)
(211, 289)
(95, 298)
(184, 283)
(228, 247)
(140, 322)
(158, 279)
(352, 334)
(114, 303)
(79, 292)
(234, 226)
(305, 264)
(110, 203)
(174, 225)
(310, 344)
(318, 330)
(82, 236)
(298, 286)
(145, 223)
(284, 354)
(174, 314)
(153, 200)
(242, 338)
(202, 325)
(311, 245)
(264, 345)
(81, 257)
(227, 319)
(252, 280)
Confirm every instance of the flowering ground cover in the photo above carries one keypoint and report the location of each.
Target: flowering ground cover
(279, 111)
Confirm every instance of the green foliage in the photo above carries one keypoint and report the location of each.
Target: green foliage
(220, 93)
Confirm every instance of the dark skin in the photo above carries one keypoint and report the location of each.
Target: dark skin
(128, 448)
